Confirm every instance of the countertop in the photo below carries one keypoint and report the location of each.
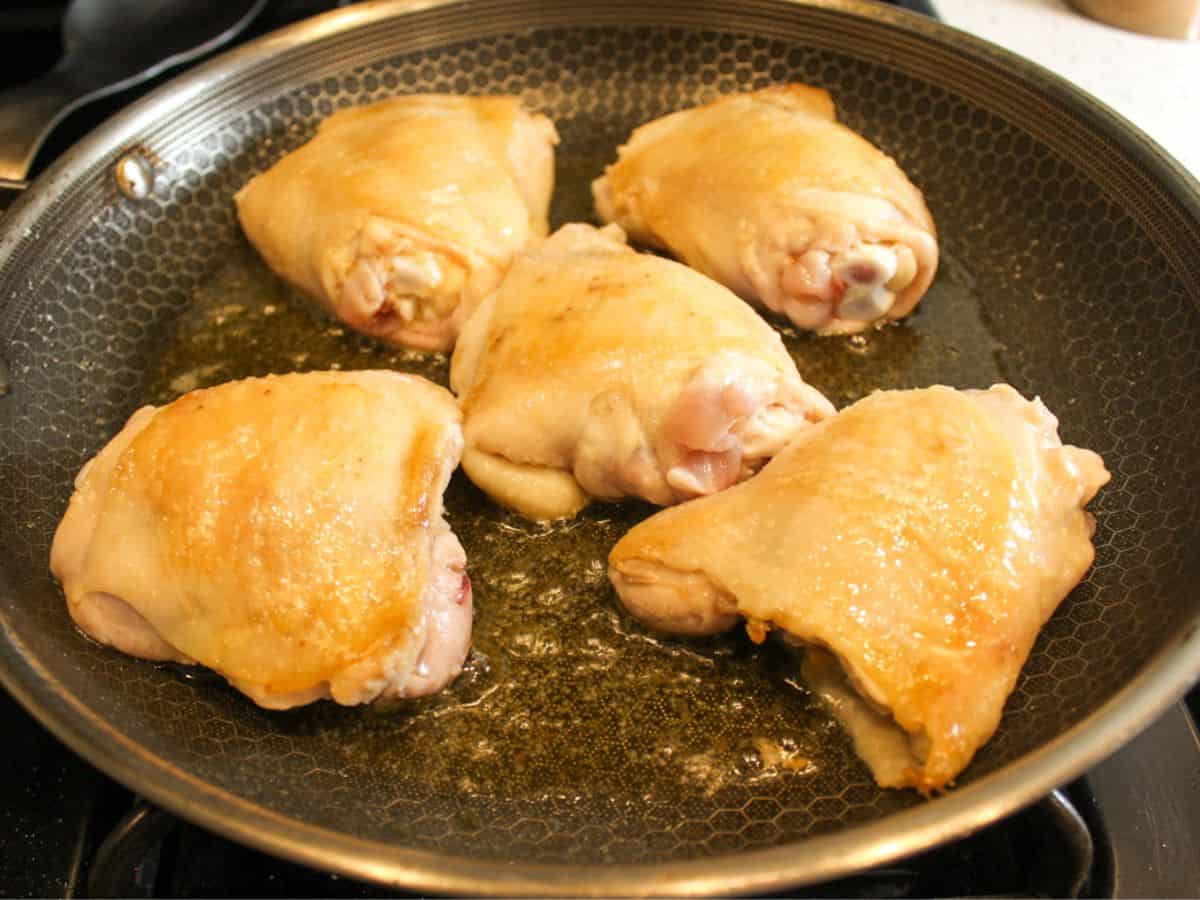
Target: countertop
(1153, 82)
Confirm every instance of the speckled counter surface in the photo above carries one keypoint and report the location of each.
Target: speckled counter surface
(1154, 82)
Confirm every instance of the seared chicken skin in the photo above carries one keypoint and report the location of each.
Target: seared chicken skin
(769, 195)
(920, 581)
(598, 372)
(286, 532)
(400, 216)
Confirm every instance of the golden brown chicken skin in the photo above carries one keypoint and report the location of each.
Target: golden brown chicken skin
(285, 531)
(598, 372)
(920, 580)
(398, 217)
(768, 194)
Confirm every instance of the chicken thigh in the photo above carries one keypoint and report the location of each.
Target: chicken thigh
(400, 216)
(919, 581)
(595, 371)
(286, 532)
(767, 193)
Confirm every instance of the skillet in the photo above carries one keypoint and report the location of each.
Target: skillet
(579, 754)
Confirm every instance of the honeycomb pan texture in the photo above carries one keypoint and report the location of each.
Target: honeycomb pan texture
(1070, 272)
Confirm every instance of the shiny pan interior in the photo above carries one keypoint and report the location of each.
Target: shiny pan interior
(577, 753)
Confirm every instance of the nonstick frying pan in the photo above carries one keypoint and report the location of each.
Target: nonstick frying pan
(578, 753)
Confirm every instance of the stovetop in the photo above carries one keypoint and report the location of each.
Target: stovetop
(1130, 828)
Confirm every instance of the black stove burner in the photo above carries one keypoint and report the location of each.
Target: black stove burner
(1130, 828)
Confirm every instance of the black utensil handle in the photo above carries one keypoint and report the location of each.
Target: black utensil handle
(126, 864)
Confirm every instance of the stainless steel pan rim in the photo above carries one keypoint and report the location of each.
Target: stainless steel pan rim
(816, 859)
(954, 815)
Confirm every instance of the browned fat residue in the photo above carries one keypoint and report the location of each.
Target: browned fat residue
(781, 755)
(757, 630)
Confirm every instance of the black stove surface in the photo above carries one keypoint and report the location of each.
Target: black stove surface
(1130, 828)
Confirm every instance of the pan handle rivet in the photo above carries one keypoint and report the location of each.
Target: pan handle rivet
(135, 176)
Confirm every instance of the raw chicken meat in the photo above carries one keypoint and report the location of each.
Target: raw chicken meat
(769, 195)
(595, 371)
(917, 541)
(400, 216)
(285, 531)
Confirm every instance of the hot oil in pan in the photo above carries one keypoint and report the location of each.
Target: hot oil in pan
(564, 697)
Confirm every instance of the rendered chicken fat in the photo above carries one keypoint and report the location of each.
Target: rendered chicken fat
(399, 217)
(598, 372)
(286, 531)
(921, 580)
(766, 193)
